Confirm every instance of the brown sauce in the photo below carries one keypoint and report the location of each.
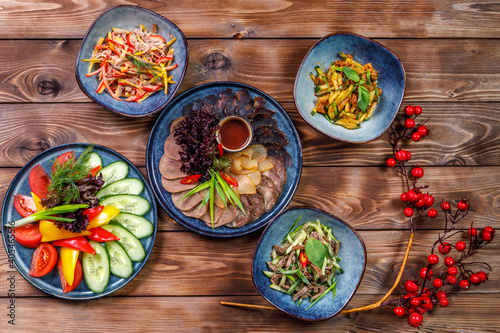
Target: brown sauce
(234, 134)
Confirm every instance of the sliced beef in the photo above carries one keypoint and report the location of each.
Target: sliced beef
(174, 124)
(259, 101)
(242, 219)
(243, 96)
(263, 120)
(245, 109)
(231, 107)
(198, 104)
(276, 150)
(187, 109)
(224, 98)
(280, 169)
(175, 186)
(228, 215)
(172, 149)
(267, 189)
(196, 212)
(258, 206)
(217, 213)
(270, 134)
(209, 102)
(170, 169)
(260, 111)
(187, 203)
(273, 175)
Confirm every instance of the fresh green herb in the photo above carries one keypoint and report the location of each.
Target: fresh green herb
(143, 66)
(49, 214)
(351, 74)
(315, 251)
(291, 228)
(363, 98)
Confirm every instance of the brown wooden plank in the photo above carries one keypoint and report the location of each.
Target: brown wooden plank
(205, 314)
(448, 70)
(454, 139)
(188, 264)
(269, 19)
(368, 198)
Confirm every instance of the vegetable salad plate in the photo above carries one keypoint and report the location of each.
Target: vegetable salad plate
(210, 92)
(20, 256)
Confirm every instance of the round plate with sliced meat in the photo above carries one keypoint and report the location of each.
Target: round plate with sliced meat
(282, 143)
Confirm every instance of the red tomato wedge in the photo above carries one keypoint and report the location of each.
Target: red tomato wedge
(66, 288)
(24, 205)
(44, 260)
(39, 181)
(63, 158)
(28, 235)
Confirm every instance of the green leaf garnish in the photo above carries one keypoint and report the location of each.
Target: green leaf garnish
(363, 98)
(315, 251)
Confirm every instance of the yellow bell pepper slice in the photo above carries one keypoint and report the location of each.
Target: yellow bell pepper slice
(50, 232)
(106, 215)
(38, 204)
(69, 257)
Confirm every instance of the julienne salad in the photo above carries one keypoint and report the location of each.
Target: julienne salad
(84, 218)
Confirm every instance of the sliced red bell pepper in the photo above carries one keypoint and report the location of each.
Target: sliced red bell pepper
(159, 37)
(137, 96)
(220, 149)
(230, 180)
(92, 212)
(169, 68)
(94, 172)
(190, 179)
(164, 59)
(129, 39)
(79, 243)
(101, 235)
(151, 89)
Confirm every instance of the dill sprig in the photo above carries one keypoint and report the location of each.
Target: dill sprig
(143, 66)
(63, 188)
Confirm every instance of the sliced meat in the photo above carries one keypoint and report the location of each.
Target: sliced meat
(276, 150)
(228, 215)
(273, 175)
(187, 203)
(171, 169)
(280, 169)
(224, 97)
(231, 106)
(263, 120)
(209, 102)
(258, 206)
(243, 96)
(187, 109)
(268, 134)
(267, 189)
(259, 101)
(206, 217)
(174, 124)
(196, 211)
(245, 110)
(172, 149)
(242, 219)
(260, 111)
(198, 104)
(175, 186)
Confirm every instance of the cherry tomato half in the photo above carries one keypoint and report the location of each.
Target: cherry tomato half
(39, 181)
(28, 235)
(24, 205)
(66, 288)
(44, 260)
(190, 179)
(63, 158)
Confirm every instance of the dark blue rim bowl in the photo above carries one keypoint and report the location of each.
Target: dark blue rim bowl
(352, 254)
(101, 25)
(392, 80)
(20, 256)
(155, 151)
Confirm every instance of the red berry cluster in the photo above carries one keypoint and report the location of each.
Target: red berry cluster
(433, 287)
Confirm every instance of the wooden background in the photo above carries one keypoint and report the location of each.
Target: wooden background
(451, 53)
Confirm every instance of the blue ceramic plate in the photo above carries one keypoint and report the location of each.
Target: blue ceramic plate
(20, 256)
(353, 261)
(392, 80)
(129, 18)
(161, 131)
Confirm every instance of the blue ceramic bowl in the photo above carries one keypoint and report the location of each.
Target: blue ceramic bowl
(20, 256)
(392, 81)
(161, 131)
(129, 18)
(353, 261)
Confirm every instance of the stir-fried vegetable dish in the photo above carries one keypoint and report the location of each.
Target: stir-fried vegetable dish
(132, 64)
(347, 91)
(305, 264)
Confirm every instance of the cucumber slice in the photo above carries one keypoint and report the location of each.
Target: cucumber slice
(127, 203)
(93, 161)
(123, 186)
(114, 171)
(119, 261)
(96, 268)
(137, 225)
(130, 243)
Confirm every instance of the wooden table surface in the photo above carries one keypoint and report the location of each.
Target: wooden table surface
(451, 54)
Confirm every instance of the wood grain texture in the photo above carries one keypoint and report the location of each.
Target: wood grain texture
(368, 198)
(187, 264)
(268, 19)
(454, 139)
(448, 70)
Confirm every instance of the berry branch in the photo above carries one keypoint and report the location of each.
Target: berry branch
(419, 296)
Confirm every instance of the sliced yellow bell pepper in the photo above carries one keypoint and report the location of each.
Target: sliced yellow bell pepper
(106, 215)
(69, 257)
(37, 200)
(50, 232)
